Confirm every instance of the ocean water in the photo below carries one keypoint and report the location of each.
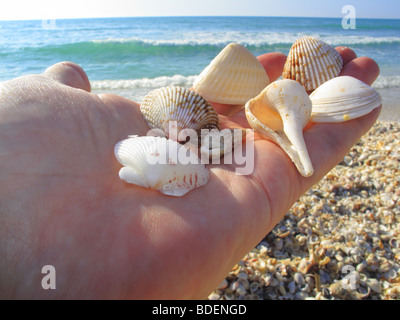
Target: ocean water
(132, 56)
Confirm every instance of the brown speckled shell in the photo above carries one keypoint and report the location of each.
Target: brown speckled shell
(182, 105)
(312, 62)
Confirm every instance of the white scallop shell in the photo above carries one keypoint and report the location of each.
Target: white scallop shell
(312, 62)
(343, 98)
(172, 104)
(160, 164)
(233, 77)
(279, 113)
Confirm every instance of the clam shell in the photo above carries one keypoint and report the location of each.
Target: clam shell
(279, 113)
(233, 77)
(343, 98)
(186, 107)
(312, 62)
(160, 164)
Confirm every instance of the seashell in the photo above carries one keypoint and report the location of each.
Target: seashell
(157, 163)
(260, 265)
(343, 98)
(178, 108)
(223, 284)
(216, 143)
(233, 77)
(229, 295)
(363, 292)
(312, 62)
(280, 112)
(374, 285)
(255, 287)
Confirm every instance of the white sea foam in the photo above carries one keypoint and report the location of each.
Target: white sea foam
(136, 89)
(187, 81)
(251, 38)
(175, 80)
(386, 82)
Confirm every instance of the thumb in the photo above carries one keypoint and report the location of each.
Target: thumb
(70, 74)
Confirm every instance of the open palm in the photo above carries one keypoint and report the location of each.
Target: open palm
(63, 204)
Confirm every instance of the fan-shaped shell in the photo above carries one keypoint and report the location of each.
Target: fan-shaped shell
(343, 98)
(186, 107)
(312, 62)
(160, 164)
(233, 77)
(279, 113)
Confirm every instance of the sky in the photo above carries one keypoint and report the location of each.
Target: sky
(56, 9)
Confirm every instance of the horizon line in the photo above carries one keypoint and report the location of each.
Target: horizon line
(194, 16)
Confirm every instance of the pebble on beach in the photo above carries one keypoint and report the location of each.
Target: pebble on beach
(340, 240)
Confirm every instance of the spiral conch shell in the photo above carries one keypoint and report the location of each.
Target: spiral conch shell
(343, 98)
(180, 105)
(233, 77)
(156, 163)
(312, 62)
(280, 112)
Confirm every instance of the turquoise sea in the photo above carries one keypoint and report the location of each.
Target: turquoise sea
(131, 56)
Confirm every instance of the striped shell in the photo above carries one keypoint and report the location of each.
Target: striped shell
(312, 62)
(186, 107)
(160, 164)
(233, 77)
(343, 98)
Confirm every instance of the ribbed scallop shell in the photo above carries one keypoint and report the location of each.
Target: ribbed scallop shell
(160, 164)
(233, 77)
(312, 62)
(343, 98)
(182, 105)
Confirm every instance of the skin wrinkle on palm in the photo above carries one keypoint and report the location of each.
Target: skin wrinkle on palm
(109, 240)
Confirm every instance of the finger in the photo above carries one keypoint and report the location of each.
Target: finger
(346, 53)
(70, 74)
(226, 109)
(127, 118)
(273, 63)
(363, 68)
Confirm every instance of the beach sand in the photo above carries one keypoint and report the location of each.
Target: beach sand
(391, 106)
(340, 240)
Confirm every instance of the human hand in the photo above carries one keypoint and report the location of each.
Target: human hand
(63, 204)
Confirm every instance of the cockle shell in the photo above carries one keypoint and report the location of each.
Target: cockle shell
(343, 98)
(280, 112)
(160, 164)
(178, 106)
(312, 62)
(233, 77)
